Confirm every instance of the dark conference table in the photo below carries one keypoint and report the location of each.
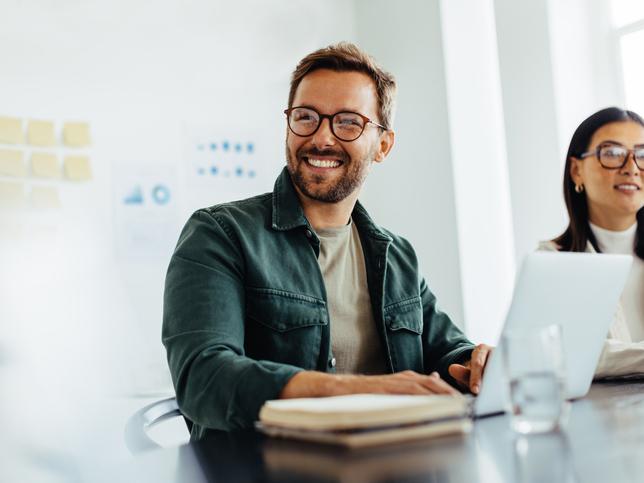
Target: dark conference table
(603, 442)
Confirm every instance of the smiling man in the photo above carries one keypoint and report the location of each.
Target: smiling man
(298, 293)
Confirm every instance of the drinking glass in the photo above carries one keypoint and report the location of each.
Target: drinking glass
(534, 367)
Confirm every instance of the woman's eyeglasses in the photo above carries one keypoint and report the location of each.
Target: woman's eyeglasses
(615, 156)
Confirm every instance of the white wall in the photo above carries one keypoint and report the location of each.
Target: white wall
(412, 192)
(530, 112)
(508, 80)
(83, 321)
(481, 186)
(558, 65)
(586, 67)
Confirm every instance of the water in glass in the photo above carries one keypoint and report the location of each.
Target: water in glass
(536, 400)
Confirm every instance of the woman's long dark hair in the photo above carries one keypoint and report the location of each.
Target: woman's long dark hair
(576, 237)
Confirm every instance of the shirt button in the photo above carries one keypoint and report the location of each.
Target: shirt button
(309, 234)
(332, 362)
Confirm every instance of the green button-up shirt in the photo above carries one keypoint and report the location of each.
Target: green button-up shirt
(245, 307)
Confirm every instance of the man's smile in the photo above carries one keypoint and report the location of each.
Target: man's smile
(323, 163)
(323, 160)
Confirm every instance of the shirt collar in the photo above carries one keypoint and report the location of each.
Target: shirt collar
(287, 211)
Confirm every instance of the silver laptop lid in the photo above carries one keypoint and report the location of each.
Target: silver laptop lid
(579, 291)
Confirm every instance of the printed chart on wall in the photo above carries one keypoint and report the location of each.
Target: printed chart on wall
(226, 162)
(145, 210)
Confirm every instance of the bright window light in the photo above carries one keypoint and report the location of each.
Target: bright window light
(632, 46)
(627, 11)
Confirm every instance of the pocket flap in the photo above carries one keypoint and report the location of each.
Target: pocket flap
(406, 314)
(282, 311)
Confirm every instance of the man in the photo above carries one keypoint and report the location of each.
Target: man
(298, 293)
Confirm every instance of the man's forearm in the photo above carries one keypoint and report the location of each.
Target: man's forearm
(320, 384)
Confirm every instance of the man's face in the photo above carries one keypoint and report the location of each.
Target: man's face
(322, 167)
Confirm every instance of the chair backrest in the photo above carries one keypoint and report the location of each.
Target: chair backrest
(136, 437)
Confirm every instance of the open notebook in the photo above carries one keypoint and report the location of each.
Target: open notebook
(365, 419)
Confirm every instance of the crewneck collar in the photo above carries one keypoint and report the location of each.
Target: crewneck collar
(336, 231)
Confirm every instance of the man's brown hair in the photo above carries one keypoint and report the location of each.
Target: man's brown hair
(347, 57)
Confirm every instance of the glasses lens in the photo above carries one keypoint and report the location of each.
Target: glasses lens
(303, 121)
(347, 126)
(639, 157)
(612, 156)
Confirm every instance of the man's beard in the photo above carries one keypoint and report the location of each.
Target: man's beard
(356, 172)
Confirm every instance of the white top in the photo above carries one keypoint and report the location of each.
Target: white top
(632, 300)
(617, 242)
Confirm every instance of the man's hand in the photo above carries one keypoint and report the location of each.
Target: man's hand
(469, 375)
(319, 384)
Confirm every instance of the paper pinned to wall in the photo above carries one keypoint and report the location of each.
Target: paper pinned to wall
(146, 216)
(11, 130)
(12, 195)
(45, 197)
(12, 163)
(76, 134)
(41, 133)
(45, 165)
(227, 162)
(11, 230)
(77, 168)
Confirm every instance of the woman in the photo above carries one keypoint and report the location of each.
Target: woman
(604, 192)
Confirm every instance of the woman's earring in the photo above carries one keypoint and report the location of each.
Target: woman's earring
(579, 188)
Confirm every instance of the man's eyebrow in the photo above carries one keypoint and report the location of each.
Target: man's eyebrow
(308, 106)
(342, 109)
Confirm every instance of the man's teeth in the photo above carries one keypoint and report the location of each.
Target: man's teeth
(627, 187)
(324, 163)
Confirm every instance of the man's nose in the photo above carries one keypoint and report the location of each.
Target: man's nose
(324, 137)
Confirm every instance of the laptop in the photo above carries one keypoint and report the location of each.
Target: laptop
(579, 291)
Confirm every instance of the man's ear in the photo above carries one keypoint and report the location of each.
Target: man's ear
(386, 142)
(575, 171)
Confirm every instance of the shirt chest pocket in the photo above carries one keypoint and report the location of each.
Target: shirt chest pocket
(284, 327)
(404, 323)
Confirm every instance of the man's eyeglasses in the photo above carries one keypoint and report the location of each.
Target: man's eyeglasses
(615, 156)
(346, 125)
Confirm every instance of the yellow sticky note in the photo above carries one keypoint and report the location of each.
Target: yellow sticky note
(45, 165)
(41, 133)
(12, 195)
(11, 163)
(76, 134)
(11, 131)
(77, 168)
(45, 197)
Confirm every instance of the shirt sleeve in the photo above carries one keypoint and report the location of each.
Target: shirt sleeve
(216, 385)
(443, 342)
(620, 358)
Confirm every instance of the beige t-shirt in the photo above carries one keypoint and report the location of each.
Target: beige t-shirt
(355, 342)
